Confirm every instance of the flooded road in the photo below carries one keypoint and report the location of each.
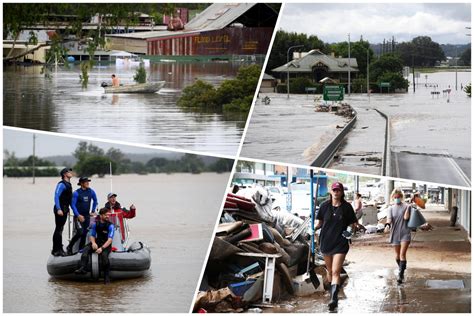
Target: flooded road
(169, 220)
(60, 104)
(423, 127)
(289, 130)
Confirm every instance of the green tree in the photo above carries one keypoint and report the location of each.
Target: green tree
(91, 165)
(192, 163)
(284, 40)
(385, 63)
(358, 51)
(421, 51)
(140, 74)
(222, 165)
(465, 57)
(200, 94)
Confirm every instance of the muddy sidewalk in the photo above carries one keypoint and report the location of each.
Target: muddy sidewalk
(438, 277)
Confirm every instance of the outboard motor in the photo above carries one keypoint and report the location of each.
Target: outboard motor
(104, 84)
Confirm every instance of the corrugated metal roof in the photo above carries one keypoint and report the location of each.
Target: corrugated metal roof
(215, 17)
(306, 63)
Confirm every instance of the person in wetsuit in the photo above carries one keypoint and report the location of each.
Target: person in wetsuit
(102, 234)
(334, 217)
(62, 202)
(113, 205)
(81, 206)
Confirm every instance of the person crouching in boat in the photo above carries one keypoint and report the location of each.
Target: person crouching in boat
(102, 234)
(113, 205)
(115, 81)
(334, 217)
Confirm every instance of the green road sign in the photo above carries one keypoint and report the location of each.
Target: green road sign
(333, 93)
(385, 85)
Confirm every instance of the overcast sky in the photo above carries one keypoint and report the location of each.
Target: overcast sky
(443, 22)
(21, 143)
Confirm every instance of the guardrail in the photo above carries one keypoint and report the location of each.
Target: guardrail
(326, 155)
(386, 160)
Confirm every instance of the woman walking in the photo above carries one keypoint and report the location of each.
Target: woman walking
(400, 235)
(334, 217)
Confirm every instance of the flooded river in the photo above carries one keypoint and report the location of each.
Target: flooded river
(60, 104)
(176, 215)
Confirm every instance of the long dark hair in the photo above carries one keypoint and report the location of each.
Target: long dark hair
(342, 197)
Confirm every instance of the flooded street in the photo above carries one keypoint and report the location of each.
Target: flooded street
(289, 130)
(60, 104)
(425, 130)
(176, 215)
(437, 279)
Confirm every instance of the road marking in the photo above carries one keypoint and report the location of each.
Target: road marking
(458, 169)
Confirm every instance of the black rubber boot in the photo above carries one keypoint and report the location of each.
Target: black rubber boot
(401, 271)
(398, 262)
(106, 277)
(334, 292)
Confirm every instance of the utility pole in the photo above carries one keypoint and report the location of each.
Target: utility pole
(34, 153)
(349, 72)
(413, 67)
(368, 93)
(456, 67)
(288, 70)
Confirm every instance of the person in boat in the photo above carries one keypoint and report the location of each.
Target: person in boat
(102, 234)
(62, 202)
(81, 206)
(334, 217)
(115, 81)
(113, 205)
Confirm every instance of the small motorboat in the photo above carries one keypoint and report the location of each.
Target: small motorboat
(125, 261)
(149, 87)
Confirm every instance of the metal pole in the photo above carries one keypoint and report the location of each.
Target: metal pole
(368, 73)
(456, 67)
(349, 71)
(34, 153)
(413, 67)
(288, 70)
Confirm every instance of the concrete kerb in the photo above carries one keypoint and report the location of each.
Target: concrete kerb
(386, 161)
(326, 155)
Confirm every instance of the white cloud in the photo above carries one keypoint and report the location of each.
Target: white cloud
(332, 22)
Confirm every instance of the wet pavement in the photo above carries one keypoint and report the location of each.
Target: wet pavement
(289, 130)
(438, 277)
(361, 151)
(169, 220)
(60, 105)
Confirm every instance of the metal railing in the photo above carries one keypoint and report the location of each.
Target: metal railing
(386, 165)
(326, 155)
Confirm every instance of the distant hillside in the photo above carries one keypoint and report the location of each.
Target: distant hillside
(450, 49)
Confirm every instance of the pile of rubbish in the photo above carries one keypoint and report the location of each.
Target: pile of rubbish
(249, 232)
(345, 110)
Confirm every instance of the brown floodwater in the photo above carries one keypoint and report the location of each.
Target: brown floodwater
(59, 104)
(176, 215)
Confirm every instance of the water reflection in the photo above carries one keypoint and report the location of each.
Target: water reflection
(60, 104)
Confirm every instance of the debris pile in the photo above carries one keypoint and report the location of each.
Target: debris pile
(250, 235)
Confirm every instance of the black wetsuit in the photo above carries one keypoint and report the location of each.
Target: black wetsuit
(63, 197)
(335, 221)
(102, 232)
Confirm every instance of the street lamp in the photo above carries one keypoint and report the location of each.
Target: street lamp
(288, 69)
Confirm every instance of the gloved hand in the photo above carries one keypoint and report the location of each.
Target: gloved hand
(347, 233)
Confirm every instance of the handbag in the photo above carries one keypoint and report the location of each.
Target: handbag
(416, 219)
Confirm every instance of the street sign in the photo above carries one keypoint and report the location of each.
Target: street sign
(385, 85)
(333, 93)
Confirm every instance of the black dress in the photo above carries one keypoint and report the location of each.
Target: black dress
(335, 221)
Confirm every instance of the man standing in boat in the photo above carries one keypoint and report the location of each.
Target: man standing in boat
(62, 201)
(115, 81)
(113, 205)
(102, 234)
(81, 206)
